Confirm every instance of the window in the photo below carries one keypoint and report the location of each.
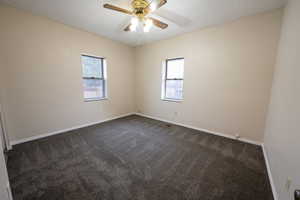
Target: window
(173, 71)
(94, 77)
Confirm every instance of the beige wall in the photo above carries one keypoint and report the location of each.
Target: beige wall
(282, 137)
(228, 75)
(43, 75)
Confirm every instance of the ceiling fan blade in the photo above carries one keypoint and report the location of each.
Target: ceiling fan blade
(159, 23)
(118, 9)
(161, 3)
(127, 28)
(172, 17)
(155, 4)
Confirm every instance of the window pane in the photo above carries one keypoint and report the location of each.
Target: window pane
(175, 68)
(174, 89)
(93, 88)
(91, 67)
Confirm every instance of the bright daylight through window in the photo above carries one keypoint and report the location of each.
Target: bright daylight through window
(94, 77)
(173, 79)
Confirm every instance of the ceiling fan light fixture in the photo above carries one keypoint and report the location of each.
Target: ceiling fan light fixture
(134, 21)
(148, 24)
(153, 6)
(134, 24)
(146, 29)
(133, 28)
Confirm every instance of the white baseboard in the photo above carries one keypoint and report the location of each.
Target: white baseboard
(201, 129)
(275, 195)
(15, 142)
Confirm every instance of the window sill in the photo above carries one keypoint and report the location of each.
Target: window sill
(95, 99)
(173, 100)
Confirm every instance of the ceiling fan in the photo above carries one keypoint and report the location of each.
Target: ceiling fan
(140, 11)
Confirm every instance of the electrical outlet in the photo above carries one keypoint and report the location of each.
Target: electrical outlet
(288, 184)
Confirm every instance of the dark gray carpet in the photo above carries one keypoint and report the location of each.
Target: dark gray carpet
(136, 158)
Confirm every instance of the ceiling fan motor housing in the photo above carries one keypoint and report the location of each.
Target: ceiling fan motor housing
(139, 7)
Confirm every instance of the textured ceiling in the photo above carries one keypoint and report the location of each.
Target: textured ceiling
(189, 15)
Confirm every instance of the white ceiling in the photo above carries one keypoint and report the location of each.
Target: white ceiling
(89, 15)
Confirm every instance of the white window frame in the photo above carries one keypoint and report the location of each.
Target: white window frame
(165, 79)
(104, 77)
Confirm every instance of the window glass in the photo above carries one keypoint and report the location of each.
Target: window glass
(175, 68)
(93, 89)
(94, 81)
(172, 87)
(92, 67)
